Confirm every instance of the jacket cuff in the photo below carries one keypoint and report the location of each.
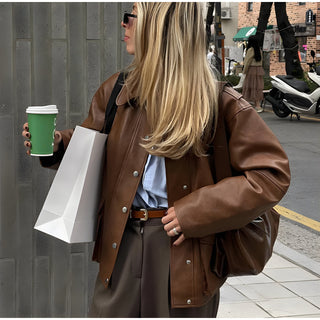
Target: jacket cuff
(55, 158)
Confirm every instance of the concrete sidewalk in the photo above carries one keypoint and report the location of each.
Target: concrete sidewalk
(289, 286)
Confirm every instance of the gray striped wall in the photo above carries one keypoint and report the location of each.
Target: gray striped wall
(50, 53)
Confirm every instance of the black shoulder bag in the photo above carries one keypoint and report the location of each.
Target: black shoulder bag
(243, 251)
(111, 109)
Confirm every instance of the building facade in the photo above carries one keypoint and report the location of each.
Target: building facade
(229, 23)
(305, 19)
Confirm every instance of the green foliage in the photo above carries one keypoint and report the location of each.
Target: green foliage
(267, 83)
(233, 79)
(312, 85)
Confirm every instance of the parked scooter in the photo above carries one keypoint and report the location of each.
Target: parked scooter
(291, 96)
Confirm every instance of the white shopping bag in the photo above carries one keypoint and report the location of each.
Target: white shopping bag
(69, 211)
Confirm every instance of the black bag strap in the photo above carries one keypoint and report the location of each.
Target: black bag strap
(220, 158)
(112, 107)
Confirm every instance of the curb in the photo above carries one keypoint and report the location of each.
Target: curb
(297, 258)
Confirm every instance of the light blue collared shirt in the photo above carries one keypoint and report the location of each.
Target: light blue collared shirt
(152, 189)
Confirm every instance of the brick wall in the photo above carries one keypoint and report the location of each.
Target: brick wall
(296, 14)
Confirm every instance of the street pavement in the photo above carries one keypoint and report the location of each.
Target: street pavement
(301, 141)
(289, 286)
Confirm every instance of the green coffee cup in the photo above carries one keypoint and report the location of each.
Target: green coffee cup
(42, 124)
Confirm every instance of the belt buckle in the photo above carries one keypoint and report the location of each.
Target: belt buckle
(146, 215)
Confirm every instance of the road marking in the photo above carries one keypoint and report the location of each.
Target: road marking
(313, 224)
(309, 118)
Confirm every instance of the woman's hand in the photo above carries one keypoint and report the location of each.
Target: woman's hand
(172, 226)
(26, 134)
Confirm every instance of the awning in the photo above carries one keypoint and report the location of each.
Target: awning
(244, 33)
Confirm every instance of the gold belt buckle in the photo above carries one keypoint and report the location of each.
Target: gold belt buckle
(146, 215)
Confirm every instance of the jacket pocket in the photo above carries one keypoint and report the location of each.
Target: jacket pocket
(206, 247)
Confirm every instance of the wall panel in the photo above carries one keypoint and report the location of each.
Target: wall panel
(51, 53)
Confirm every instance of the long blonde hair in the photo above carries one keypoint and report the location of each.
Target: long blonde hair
(171, 78)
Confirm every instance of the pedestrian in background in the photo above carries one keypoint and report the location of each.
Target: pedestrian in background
(253, 83)
(160, 208)
(209, 55)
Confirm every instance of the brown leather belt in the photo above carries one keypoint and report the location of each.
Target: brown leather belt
(145, 214)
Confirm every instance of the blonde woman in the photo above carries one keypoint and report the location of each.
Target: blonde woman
(160, 208)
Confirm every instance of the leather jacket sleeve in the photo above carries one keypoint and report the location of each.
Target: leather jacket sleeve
(262, 176)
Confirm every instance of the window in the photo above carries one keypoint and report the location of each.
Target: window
(302, 3)
(302, 43)
(250, 6)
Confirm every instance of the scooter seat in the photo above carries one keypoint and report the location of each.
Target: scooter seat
(295, 83)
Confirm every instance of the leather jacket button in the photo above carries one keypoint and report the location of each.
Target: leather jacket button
(185, 187)
(188, 261)
(106, 281)
(114, 245)
(189, 301)
(135, 173)
(124, 209)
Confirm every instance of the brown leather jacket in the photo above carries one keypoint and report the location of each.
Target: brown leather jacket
(202, 207)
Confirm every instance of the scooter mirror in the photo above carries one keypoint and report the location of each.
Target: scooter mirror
(313, 54)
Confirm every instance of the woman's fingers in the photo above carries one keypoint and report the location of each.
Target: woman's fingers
(57, 140)
(179, 240)
(172, 226)
(26, 134)
(57, 137)
(170, 221)
(169, 228)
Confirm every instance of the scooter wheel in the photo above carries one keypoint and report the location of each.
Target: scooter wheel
(278, 107)
(282, 112)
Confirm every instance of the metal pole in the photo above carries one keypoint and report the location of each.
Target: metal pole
(219, 38)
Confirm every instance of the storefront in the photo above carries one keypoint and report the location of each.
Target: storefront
(244, 33)
(305, 34)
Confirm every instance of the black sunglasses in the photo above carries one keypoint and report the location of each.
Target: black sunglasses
(126, 17)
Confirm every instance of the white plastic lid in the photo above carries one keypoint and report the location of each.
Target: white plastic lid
(49, 109)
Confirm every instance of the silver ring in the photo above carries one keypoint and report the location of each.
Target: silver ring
(175, 231)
